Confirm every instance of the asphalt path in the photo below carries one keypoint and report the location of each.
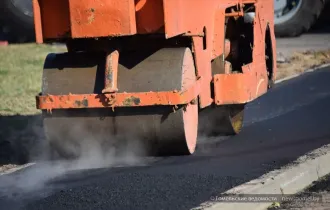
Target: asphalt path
(306, 42)
(291, 120)
(318, 38)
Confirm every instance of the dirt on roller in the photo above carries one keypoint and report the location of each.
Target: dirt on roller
(161, 131)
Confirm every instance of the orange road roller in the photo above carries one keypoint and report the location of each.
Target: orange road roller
(160, 72)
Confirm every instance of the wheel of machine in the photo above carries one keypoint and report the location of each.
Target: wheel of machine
(158, 130)
(225, 120)
(296, 17)
(16, 20)
(293, 17)
(222, 120)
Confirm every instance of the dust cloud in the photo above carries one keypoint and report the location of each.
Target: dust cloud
(91, 154)
(36, 180)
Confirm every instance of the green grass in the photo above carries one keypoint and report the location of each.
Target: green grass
(20, 72)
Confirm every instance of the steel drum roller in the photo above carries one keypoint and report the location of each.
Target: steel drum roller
(162, 130)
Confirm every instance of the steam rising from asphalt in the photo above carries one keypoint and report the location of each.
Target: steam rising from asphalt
(38, 178)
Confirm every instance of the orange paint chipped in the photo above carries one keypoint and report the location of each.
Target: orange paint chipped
(118, 99)
(82, 19)
(203, 21)
(239, 88)
(37, 21)
(91, 18)
(111, 72)
(253, 81)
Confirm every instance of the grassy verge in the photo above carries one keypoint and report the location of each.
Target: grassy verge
(300, 61)
(20, 81)
(20, 73)
(320, 189)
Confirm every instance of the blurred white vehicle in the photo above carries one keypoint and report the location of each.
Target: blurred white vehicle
(294, 17)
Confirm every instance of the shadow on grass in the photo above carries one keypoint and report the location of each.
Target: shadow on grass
(20, 138)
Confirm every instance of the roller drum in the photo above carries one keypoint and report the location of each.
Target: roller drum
(157, 129)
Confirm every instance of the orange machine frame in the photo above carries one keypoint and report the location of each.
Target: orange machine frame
(201, 20)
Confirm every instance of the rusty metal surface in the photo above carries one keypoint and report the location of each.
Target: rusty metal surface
(240, 88)
(51, 19)
(88, 18)
(179, 17)
(71, 101)
(82, 19)
(83, 73)
(111, 72)
(37, 21)
(203, 66)
(253, 81)
(149, 78)
(221, 120)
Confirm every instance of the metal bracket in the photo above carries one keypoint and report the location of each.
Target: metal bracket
(111, 72)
